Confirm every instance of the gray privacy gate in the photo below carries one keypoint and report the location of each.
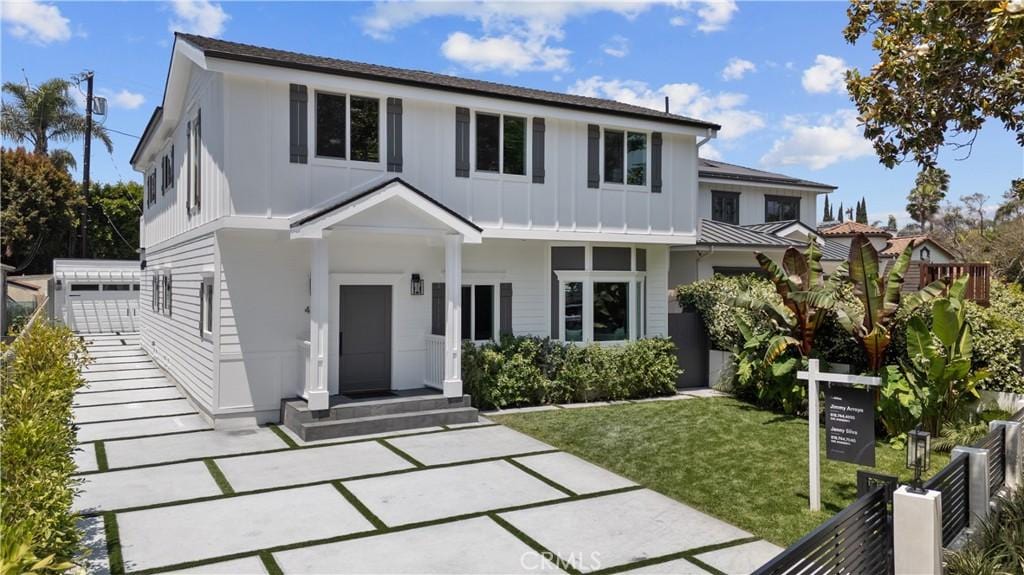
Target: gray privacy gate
(687, 331)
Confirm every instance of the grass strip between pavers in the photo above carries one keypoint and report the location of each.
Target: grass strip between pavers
(360, 507)
(270, 564)
(101, 456)
(401, 453)
(364, 534)
(140, 417)
(312, 483)
(124, 403)
(535, 545)
(284, 436)
(218, 477)
(113, 537)
(537, 475)
(689, 555)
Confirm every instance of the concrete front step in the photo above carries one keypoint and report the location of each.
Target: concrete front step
(335, 428)
(298, 412)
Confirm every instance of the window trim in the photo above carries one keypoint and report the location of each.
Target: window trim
(495, 310)
(588, 279)
(769, 197)
(527, 145)
(206, 307)
(381, 129)
(648, 157)
(727, 195)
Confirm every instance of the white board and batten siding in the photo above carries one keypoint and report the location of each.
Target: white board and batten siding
(174, 341)
(752, 200)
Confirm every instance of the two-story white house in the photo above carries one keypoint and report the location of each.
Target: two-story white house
(323, 229)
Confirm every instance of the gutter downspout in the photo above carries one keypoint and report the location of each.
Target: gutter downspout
(710, 134)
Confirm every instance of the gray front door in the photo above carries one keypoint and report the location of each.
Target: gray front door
(365, 338)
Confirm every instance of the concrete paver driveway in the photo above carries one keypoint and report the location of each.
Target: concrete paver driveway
(181, 497)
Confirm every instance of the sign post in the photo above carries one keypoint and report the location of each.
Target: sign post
(813, 376)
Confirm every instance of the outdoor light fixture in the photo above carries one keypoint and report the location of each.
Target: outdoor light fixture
(918, 456)
(416, 285)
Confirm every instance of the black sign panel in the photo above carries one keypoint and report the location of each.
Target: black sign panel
(850, 424)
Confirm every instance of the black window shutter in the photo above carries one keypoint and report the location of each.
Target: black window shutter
(188, 168)
(437, 309)
(538, 150)
(461, 142)
(394, 134)
(199, 158)
(505, 310)
(170, 180)
(656, 162)
(202, 308)
(297, 124)
(593, 159)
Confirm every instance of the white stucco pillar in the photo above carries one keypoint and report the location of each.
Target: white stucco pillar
(453, 315)
(317, 394)
(917, 531)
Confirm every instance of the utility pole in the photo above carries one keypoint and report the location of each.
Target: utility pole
(84, 220)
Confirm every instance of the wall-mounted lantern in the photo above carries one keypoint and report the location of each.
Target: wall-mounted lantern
(918, 456)
(416, 285)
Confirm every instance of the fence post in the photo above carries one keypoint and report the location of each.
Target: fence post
(917, 531)
(977, 480)
(1013, 450)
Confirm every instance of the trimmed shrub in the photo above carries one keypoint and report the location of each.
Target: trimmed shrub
(524, 371)
(713, 300)
(37, 440)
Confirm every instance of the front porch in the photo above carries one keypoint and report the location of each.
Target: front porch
(371, 260)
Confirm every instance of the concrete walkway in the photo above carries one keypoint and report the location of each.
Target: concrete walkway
(163, 492)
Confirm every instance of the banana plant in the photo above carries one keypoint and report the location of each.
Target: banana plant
(880, 296)
(806, 296)
(938, 363)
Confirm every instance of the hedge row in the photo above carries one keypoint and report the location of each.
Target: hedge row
(524, 371)
(37, 441)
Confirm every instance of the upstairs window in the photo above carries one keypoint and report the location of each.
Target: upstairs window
(194, 188)
(725, 207)
(625, 157)
(347, 127)
(781, 208)
(500, 144)
(151, 188)
(167, 171)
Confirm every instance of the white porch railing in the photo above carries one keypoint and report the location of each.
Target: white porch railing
(433, 375)
(300, 387)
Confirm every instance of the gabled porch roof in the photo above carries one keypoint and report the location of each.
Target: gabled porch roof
(393, 204)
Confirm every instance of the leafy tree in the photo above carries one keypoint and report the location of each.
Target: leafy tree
(892, 225)
(40, 209)
(114, 220)
(943, 69)
(1013, 202)
(975, 205)
(43, 113)
(930, 188)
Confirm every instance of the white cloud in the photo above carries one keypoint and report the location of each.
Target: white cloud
(833, 138)
(198, 17)
(35, 21)
(533, 29)
(737, 68)
(709, 152)
(505, 53)
(677, 21)
(617, 46)
(723, 108)
(828, 74)
(127, 100)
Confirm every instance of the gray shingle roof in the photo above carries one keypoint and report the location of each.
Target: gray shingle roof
(834, 251)
(214, 48)
(727, 171)
(715, 233)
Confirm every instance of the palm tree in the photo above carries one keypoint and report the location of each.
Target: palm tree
(43, 113)
(930, 188)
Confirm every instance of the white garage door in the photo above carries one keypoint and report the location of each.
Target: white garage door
(99, 308)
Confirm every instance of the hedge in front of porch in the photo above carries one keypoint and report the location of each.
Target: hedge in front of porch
(526, 371)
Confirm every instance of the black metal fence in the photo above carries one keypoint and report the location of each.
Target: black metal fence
(856, 540)
(952, 483)
(995, 443)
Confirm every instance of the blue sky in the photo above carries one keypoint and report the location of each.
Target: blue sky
(769, 72)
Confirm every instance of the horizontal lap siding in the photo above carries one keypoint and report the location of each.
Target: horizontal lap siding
(174, 342)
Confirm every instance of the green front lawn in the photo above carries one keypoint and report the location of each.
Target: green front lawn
(725, 457)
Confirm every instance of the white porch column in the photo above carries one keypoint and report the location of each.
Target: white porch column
(317, 394)
(453, 315)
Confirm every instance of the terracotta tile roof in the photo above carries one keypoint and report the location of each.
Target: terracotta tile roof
(854, 228)
(214, 48)
(896, 245)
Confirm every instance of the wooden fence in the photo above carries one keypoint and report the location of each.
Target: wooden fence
(977, 286)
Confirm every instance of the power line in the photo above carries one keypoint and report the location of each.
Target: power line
(120, 132)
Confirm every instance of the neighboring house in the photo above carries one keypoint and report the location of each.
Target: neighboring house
(926, 250)
(316, 227)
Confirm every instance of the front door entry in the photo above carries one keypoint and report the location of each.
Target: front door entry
(365, 338)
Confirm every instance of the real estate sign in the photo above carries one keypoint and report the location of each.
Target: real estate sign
(850, 424)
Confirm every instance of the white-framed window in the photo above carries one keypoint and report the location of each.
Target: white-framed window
(604, 302)
(151, 188)
(347, 127)
(206, 307)
(165, 286)
(167, 171)
(155, 291)
(500, 143)
(625, 157)
(480, 312)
